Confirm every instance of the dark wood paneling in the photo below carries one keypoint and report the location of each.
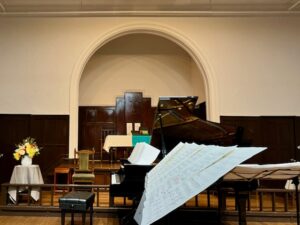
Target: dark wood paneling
(147, 114)
(120, 116)
(133, 107)
(130, 108)
(13, 129)
(249, 133)
(200, 110)
(251, 128)
(106, 114)
(50, 131)
(278, 136)
(91, 115)
(297, 138)
(90, 133)
(277, 133)
(92, 120)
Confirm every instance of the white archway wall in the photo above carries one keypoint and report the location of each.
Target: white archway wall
(254, 61)
(251, 63)
(139, 62)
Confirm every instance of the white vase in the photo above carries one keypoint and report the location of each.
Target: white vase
(26, 161)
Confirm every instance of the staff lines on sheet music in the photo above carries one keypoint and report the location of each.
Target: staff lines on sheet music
(222, 157)
(197, 154)
(178, 178)
(203, 165)
(169, 160)
(172, 192)
(175, 192)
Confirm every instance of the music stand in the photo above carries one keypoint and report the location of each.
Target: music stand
(168, 186)
(281, 171)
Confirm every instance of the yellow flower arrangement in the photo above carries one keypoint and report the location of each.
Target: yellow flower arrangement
(27, 147)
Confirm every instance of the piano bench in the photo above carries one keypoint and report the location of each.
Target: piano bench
(77, 201)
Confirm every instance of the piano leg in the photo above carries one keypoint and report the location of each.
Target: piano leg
(241, 189)
(241, 200)
(221, 203)
(111, 201)
(128, 219)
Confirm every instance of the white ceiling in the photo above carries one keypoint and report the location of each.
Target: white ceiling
(148, 7)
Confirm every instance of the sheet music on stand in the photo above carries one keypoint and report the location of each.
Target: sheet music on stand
(280, 171)
(186, 171)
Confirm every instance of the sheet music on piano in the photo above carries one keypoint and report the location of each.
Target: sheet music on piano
(115, 179)
(186, 171)
(143, 154)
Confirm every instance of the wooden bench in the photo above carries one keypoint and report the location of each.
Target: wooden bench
(77, 201)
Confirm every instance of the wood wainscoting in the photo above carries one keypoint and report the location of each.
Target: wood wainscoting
(281, 134)
(95, 120)
(51, 133)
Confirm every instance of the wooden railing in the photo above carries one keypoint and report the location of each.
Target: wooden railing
(261, 202)
(48, 194)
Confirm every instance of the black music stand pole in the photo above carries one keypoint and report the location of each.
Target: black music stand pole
(163, 144)
(296, 183)
(166, 219)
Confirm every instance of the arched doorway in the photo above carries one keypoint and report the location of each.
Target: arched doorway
(167, 33)
(138, 62)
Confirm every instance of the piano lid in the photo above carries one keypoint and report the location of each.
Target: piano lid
(175, 111)
(176, 120)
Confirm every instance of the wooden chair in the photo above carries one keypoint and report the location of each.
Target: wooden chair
(61, 171)
(83, 167)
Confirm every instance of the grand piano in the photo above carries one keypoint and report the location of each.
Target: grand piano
(175, 121)
(128, 182)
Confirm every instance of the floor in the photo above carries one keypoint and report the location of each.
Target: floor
(55, 220)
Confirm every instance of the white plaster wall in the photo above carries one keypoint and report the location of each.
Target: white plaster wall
(139, 62)
(254, 61)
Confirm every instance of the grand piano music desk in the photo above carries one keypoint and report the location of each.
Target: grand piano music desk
(77, 201)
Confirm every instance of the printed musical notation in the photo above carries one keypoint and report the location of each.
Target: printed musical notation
(186, 171)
